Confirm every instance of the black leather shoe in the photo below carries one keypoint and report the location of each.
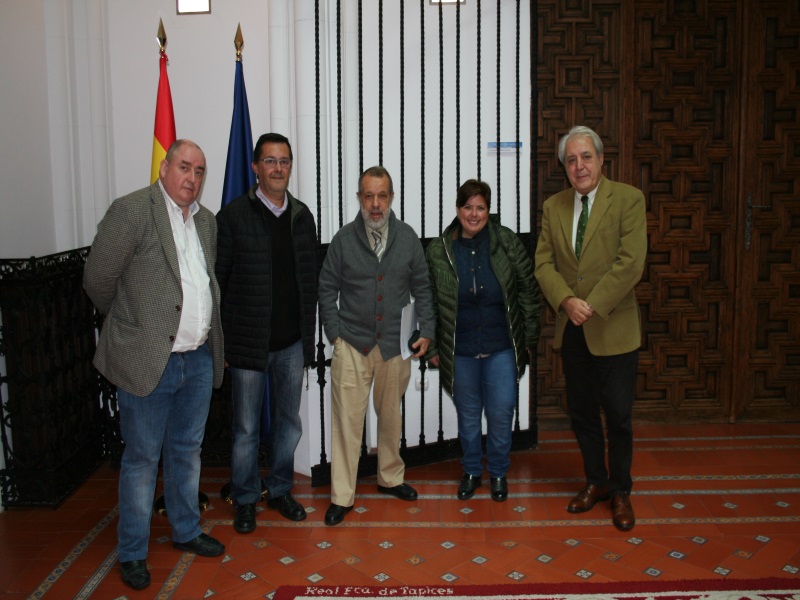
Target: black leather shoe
(245, 519)
(402, 491)
(202, 545)
(469, 483)
(288, 507)
(335, 514)
(499, 489)
(135, 574)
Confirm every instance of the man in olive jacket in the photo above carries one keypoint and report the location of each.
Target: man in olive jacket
(267, 272)
(589, 257)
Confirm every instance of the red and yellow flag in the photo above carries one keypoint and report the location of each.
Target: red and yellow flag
(164, 131)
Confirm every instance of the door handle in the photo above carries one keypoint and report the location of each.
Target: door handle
(748, 219)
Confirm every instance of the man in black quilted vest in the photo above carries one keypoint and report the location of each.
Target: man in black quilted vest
(267, 273)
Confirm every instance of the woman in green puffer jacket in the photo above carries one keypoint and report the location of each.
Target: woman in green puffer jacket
(488, 318)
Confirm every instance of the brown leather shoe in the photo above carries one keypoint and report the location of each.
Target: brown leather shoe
(623, 512)
(587, 498)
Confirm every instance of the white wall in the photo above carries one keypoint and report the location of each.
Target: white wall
(26, 199)
(78, 102)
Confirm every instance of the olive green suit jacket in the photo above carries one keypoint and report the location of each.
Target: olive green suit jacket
(610, 266)
(132, 276)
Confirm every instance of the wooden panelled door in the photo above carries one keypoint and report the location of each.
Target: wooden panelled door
(698, 103)
(766, 376)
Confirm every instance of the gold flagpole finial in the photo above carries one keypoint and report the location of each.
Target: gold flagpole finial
(161, 37)
(238, 41)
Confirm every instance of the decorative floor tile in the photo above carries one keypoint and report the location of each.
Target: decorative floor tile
(386, 544)
(730, 505)
(653, 572)
(790, 569)
(635, 541)
(466, 510)
(286, 560)
(543, 558)
(611, 556)
(722, 571)
(677, 555)
(510, 544)
(324, 545)
(415, 560)
(381, 577)
(762, 538)
(584, 574)
(248, 576)
(351, 560)
(571, 542)
(699, 540)
(449, 577)
(315, 578)
(516, 576)
(361, 510)
(448, 545)
(679, 506)
(479, 560)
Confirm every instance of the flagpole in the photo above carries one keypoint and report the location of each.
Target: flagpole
(164, 128)
(239, 175)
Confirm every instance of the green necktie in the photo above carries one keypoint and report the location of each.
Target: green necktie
(582, 220)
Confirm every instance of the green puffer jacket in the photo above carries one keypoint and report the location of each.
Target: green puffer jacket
(514, 270)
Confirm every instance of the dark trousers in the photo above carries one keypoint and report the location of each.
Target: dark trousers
(595, 382)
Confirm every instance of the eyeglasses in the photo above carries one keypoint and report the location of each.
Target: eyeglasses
(274, 162)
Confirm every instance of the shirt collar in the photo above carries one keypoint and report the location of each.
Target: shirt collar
(171, 205)
(274, 209)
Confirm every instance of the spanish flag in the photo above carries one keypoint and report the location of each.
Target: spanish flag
(164, 131)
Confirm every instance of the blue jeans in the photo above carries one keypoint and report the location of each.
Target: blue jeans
(485, 384)
(171, 421)
(285, 371)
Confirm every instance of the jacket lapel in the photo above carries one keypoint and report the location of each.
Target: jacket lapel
(602, 201)
(161, 219)
(566, 214)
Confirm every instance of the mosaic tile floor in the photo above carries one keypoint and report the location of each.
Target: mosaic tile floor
(711, 501)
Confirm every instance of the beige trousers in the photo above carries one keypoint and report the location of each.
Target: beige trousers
(352, 375)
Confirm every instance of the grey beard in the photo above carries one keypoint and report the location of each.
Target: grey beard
(373, 224)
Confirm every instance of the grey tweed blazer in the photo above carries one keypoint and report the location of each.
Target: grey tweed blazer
(132, 276)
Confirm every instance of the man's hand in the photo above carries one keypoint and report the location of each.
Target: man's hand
(577, 310)
(434, 360)
(421, 346)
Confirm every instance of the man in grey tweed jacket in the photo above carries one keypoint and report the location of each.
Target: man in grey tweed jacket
(151, 273)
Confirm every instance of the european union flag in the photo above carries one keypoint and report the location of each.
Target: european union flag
(239, 176)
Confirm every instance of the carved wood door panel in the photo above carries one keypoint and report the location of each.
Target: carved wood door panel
(767, 340)
(697, 103)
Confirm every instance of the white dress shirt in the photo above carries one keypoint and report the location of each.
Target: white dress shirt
(196, 309)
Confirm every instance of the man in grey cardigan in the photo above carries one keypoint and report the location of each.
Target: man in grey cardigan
(373, 268)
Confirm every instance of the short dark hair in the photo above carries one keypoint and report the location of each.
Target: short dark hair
(376, 171)
(271, 138)
(473, 187)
